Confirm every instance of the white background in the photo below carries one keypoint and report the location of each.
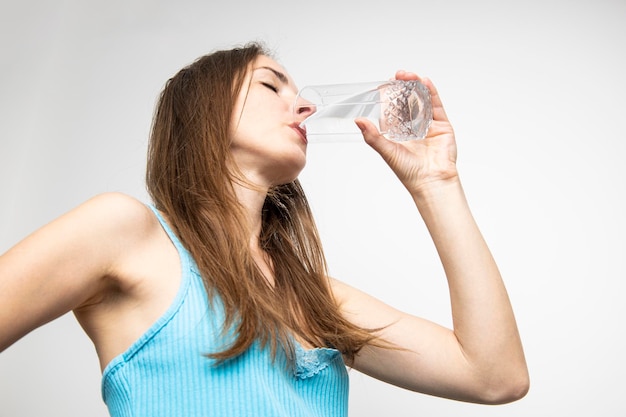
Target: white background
(536, 91)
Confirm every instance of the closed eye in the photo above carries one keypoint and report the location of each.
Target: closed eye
(271, 87)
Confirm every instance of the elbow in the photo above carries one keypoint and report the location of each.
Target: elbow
(509, 394)
(506, 390)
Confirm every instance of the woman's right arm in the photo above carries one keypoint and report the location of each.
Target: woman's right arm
(66, 264)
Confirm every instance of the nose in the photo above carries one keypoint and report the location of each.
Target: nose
(303, 108)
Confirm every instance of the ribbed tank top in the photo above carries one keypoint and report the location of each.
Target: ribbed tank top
(166, 373)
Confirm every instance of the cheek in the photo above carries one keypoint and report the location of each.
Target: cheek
(242, 126)
(249, 117)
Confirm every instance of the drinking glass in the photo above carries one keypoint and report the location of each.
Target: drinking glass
(401, 110)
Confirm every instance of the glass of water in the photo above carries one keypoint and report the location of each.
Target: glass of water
(401, 110)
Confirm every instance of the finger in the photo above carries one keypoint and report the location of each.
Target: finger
(439, 112)
(406, 76)
(373, 137)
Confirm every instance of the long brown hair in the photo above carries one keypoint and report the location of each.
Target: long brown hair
(190, 178)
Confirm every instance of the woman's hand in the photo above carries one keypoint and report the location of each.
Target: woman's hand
(421, 163)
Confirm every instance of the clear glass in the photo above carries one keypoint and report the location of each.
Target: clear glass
(401, 110)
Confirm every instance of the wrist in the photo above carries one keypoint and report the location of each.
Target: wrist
(436, 190)
(443, 206)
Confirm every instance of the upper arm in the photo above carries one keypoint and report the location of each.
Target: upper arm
(65, 264)
(423, 356)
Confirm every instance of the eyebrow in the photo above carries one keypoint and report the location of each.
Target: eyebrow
(282, 77)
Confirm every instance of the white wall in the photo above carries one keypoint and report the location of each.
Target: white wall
(536, 93)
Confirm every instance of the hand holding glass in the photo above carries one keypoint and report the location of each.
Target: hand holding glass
(401, 110)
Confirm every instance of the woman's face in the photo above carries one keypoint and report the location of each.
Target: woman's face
(267, 143)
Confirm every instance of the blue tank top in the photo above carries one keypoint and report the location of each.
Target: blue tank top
(166, 372)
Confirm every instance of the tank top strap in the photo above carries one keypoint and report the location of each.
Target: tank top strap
(166, 227)
(186, 258)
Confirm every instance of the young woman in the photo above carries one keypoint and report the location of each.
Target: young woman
(215, 300)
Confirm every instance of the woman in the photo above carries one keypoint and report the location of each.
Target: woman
(216, 300)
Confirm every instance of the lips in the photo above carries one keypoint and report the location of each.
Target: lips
(301, 131)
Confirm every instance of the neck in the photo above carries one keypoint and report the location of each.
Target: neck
(252, 198)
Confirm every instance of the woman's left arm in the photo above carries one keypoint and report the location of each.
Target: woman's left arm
(481, 359)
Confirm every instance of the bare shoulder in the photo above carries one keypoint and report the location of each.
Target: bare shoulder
(117, 211)
(112, 221)
(128, 230)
